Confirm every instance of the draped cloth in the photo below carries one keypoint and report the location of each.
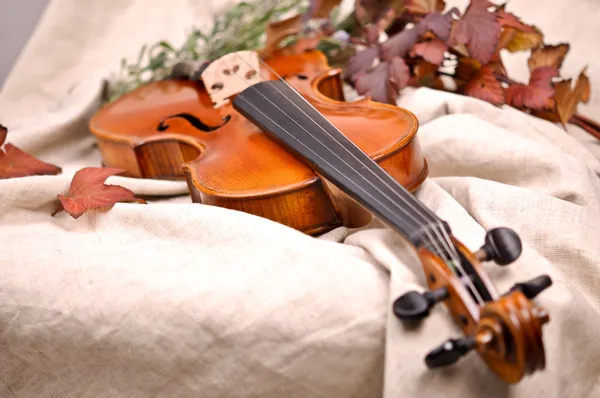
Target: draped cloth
(179, 299)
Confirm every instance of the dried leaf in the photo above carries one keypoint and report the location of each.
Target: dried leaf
(88, 191)
(369, 11)
(320, 8)
(361, 61)
(479, 30)
(425, 6)
(567, 99)
(374, 83)
(508, 19)
(399, 44)
(432, 51)
(485, 86)
(521, 41)
(385, 81)
(16, 163)
(425, 75)
(536, 95)
(552, 56)
(467, 68)
(437, 23)
(399, 74)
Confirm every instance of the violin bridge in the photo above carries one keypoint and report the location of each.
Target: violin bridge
(231, 74)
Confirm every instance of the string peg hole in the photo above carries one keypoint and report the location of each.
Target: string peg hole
(217, 86)
(250, 74)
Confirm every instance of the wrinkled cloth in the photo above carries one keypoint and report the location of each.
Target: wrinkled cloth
(175, 299)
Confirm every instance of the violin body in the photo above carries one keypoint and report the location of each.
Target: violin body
(171, 129)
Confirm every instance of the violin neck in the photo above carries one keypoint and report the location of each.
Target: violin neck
(279, 110)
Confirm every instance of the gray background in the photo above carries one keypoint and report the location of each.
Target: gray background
(17, 21)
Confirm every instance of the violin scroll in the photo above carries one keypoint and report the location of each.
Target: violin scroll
(506, 330)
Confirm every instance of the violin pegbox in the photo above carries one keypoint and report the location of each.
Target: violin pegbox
(231, 74)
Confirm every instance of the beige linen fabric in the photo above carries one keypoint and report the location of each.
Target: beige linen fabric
(175, 299)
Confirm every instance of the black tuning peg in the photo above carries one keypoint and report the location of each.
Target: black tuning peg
(449, 352)
(534, 286)
(502, 245)
(414, 306)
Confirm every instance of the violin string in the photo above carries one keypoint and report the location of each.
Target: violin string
(445, 240)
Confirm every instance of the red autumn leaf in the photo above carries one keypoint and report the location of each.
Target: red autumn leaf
(361, 61)
(399, 44)
(432, 51)
(485, 86)
(437, 23)
(16, 163)
(508, 19)
(385, 81)
(399, 74)
(425, 6)
(88, 191)
(537, 95)
(479, 30)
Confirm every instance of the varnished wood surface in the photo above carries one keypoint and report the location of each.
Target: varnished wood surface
(507, 329)
(237, 165)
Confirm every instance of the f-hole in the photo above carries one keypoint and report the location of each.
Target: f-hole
(193, 120)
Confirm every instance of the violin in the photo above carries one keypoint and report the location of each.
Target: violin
(274, 137)
(187, 129)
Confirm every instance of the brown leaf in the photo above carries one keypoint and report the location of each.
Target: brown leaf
(425, 6)
(508, 19)
(552, 56)
(485, 86)
(399, 44)
(514, 40)
(16, 163)
(432, 51)
(467, 68)
(537, 95)
(479, 30)
(88, 191)
(425, 75)
(567, 99)
(320, 8)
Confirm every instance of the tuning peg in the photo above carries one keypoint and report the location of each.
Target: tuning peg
(534, 286)
(502, 245)
(413, 306)
(449, 352)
